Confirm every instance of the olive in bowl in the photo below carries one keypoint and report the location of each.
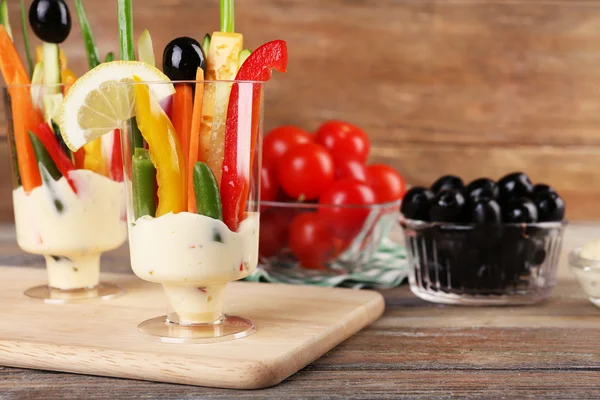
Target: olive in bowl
(489, 243)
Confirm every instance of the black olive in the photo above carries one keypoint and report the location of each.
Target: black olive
(482, 188)
(484, 211)
(550, 206)
(542, 188)
(50, 20)
(447, 206)
(415, 204)
(513, 186)
(447, 182)
(181, 59)
(520, 210)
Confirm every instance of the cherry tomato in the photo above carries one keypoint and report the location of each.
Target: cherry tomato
(344, 140)
(345, 221)
(387, 183)
(350, 168)
(306, 171)
(310, 241)
(269, 186)
(273, 232)
(278, 141)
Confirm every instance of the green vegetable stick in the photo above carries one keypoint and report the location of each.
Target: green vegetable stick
(143, 182)
(4, 17)
(206, 189)
(88, 38)
(206, 44)
(42, 156)
(109, 57)
(60, 140)
(26, 38)
(227, 21)
(125, 15)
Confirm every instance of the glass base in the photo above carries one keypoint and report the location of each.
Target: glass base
(229, 328)
(481, 300)
(103, 291)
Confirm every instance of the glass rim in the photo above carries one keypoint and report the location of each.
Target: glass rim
(414, 223)
(209, 81)
(301, 205)
(190, 82)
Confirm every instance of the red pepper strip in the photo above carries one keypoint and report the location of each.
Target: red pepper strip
(116, 159)
(63, 163)
(79, 157)
(235, 181)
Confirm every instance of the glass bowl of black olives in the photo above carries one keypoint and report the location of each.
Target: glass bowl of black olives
(485, 243)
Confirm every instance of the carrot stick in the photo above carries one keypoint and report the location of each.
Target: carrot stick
(25, 116)
(10, 64)
(195, 139)
(182, 115)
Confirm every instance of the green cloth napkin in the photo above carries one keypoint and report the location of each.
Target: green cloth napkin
(388, 269)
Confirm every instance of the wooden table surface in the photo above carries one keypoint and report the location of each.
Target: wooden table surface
(416, 350)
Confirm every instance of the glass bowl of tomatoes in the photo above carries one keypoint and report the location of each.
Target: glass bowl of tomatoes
(323, 206)
(325, 237)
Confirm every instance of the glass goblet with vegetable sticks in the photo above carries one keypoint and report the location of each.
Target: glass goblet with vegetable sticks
(69, 207)
(193, 223)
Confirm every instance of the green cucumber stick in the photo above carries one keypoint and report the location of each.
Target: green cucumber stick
(109, 57)
(143, 182)
(42, 156)
(88, 38)
(206, 189)
(4, 17)
(125, 15)
(227, 21)
(51, 68)
(26, 38)
(206, 44)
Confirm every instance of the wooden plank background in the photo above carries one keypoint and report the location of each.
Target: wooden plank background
(471, 87)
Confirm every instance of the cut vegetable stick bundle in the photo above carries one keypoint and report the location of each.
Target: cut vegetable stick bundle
(195, 139)
(222, 64)
(182, 115)
(25, 116)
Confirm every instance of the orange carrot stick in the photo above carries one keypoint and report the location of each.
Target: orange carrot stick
(195, 139)
(182, 115)
(25, 116)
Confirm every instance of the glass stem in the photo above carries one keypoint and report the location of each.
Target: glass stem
(72, 273)
(195, 305)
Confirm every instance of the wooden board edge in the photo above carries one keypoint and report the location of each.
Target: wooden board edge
(253, 374)
(284, 367)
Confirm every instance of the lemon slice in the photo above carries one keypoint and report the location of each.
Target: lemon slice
(98, 102)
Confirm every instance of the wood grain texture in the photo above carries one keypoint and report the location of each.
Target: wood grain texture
(417, 350)
(295, 325)
(440, 86)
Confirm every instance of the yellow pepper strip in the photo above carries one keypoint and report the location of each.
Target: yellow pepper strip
(165, 151)
(93, 159)
(68, 78)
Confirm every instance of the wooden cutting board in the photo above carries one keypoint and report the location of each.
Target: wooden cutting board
(295, 326)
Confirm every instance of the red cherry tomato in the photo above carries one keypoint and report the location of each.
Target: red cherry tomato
(350, 168)
(344, 140)
(310, 241)
(278, 141)
(273, 232)
(306, 171)
(269, 186)
(344, 221)
(387, 183)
